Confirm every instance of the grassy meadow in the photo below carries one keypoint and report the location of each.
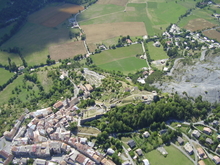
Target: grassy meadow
(34, 40)
(174, 157)
(120, 59)
(156, 53)
(5, 75)
(198, 13)
(14, 58)
(98, 10)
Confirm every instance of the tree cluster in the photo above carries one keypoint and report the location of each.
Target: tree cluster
(130, 117)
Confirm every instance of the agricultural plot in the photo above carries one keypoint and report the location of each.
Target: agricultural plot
(199, 14)
(214, 34)
(34, 40)
(174, 157)
(156, 53)
(5, 75)
(162, 12)
(99, 32)
(198, 24)
(127, 65)
(67, 50)
(54, 15)
(120, 59)
(114, 2)
(99, 10)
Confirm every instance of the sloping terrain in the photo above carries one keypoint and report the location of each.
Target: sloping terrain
(201, 77)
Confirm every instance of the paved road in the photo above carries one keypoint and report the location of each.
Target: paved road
(129, 157)
(187, 155)
(76, 89)
(190, 141)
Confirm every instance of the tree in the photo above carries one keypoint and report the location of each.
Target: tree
(83, 37)
(73, 126)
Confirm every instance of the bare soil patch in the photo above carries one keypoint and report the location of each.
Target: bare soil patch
(99, 32)
(67, 50)
(198, 24)
(214, 34)
(54, 15)
(114, 2)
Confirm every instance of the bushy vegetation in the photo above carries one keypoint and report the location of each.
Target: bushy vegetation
(130, 117)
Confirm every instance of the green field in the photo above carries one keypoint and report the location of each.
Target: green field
(198, 13)
(3, 3)
(6, 94)
(5, 75)
(138, 15)
(98, 10)
(14, 58)
(127, 65)
(174, 157)
(34, 40)
(155, 15)
(6, 30)
(120, 59)
(208, 161)
(156, 53)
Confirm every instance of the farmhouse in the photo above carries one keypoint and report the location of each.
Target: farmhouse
(58, 105)
(131, 143)
(201, 162)
(196, 133)
(146, 134)
(216, 159)
(180, 140)
(88, 87)
(188, 148)
(201, 153)
(139, 151)
(146, 162)
(207, 130)
(208, 140)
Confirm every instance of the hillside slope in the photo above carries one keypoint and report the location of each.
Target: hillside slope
(200, 77)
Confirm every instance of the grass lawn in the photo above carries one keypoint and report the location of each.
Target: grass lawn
(120, 59)
(156, 53)
(174, 157)
(34, 41)
(5, 75)
(208, 161)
